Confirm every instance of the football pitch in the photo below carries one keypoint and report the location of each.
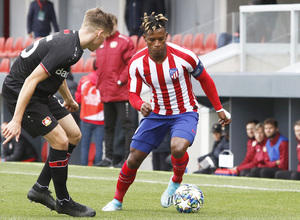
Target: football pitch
(224, 197)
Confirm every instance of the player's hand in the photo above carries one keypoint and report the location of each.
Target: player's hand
(12, 129)
(234, 168)
(225, 117)
(71, 106)
(146, 109)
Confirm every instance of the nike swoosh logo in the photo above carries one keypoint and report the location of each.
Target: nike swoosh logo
(147, 74)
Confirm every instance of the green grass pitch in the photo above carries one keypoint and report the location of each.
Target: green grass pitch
(224, 197)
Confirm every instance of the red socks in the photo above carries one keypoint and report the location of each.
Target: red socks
(179, 166)
(126, 178)
(127, 175)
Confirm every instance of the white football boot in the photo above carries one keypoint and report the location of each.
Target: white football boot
(166, 199)
(112, 206)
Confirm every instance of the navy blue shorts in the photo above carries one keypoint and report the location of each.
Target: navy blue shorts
(153, 128)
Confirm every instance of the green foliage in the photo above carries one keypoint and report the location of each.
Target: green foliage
(224, 197)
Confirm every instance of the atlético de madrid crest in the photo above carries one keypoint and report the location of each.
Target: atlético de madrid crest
(174, 73)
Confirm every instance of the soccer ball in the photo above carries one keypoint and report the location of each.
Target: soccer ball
(188, 199)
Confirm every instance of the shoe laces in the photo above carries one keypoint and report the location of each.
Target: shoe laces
(46, 191)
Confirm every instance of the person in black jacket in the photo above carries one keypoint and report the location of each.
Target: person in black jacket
(41, 14)
(209, 162)
(18, 151)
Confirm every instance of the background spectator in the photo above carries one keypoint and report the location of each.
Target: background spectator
(259, 146)
(259, 27)
(250, 125)
(161, 156)
(18, 151)
(156, 6)
(92, 117)
(112, 63)
(135, 9)
(294, 175)
(213, 159)
(277, 148)
(41, 14)
(217, 134)
(133, 14)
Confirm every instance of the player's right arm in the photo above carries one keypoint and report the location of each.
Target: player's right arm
(13, 128)
(135, 83)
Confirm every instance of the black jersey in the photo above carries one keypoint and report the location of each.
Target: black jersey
(55, 53)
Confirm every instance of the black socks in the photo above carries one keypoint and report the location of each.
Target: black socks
(58, 162)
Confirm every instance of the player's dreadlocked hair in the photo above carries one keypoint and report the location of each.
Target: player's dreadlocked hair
(153, 22)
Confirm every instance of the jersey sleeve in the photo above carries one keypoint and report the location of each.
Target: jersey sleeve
(208, 87)
(54, 60)
(195, 67)
(135, 87)
(58, 56)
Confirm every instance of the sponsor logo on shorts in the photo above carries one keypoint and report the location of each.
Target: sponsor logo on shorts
(47, 121)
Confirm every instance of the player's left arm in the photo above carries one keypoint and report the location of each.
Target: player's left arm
(69, 101)
(209, 88)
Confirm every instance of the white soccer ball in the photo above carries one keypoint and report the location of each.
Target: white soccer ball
(188, 199)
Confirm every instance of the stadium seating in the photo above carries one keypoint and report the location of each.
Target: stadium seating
(5, 65)
(2, 40)
(8, 46)
(177, 39)
(28, 41)
(188, 41)
(18, 47)
(134, 38)
(89, 65)
(141, 44)
(210, 43)
(78, 67)
(198, 46)
(169, 38)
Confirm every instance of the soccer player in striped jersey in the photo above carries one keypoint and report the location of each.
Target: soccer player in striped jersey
(167, 70)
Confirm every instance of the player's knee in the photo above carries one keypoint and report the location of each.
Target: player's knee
(134, 162)
(75, 137)
(60, 143)
(178, 150)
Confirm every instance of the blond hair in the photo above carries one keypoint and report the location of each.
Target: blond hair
(258, 126)
(153, 22)
(96, 18)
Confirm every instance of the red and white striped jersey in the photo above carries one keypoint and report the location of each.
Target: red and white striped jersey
(170, 82)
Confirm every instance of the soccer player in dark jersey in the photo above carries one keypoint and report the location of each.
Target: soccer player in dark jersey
(167, 70)
(38, 73)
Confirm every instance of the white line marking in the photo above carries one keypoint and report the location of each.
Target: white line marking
(159, 182)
